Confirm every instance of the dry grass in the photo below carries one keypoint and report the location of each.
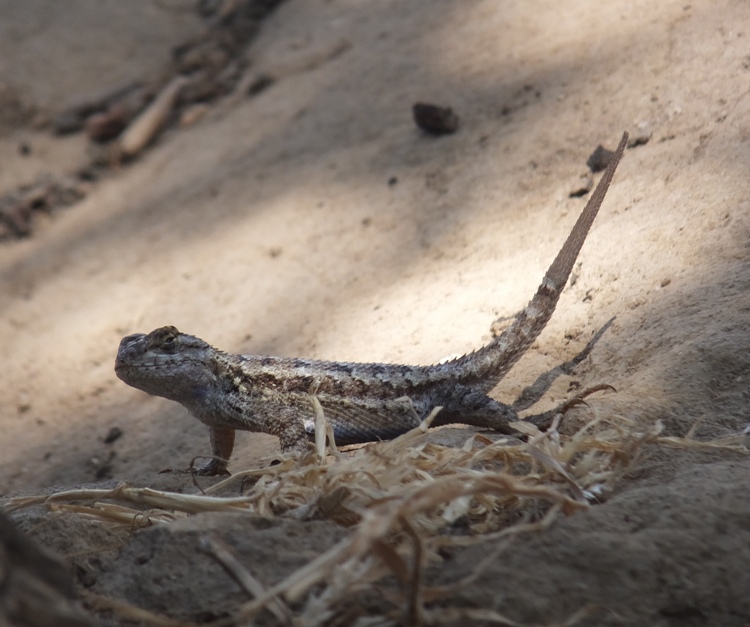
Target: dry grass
(405, 500)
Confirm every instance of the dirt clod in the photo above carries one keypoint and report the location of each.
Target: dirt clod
(434, 119)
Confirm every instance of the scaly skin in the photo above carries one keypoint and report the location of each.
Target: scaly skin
(363, 402)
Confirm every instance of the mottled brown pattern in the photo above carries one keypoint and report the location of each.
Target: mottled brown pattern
(363, 402)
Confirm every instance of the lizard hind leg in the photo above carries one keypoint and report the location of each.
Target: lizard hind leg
(470, 407)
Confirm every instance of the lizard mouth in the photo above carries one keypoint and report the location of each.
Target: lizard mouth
(121, 367)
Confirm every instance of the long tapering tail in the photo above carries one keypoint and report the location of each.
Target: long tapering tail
(484, 368)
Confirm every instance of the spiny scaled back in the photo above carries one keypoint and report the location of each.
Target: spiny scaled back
(362, 401)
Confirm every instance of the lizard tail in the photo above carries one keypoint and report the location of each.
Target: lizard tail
(483, 369)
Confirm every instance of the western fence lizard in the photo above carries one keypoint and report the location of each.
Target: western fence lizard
(363, 402)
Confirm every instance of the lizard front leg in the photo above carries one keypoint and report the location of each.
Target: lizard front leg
(222, 444)
(284, 423)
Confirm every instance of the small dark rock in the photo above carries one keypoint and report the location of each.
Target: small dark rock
(261, 83)
(115, 433)
(88, 173)
(599, 159)
(434, 119)
(582, 185)
(101, 127)
(103, 472)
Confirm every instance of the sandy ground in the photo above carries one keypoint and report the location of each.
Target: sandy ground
(315, 220)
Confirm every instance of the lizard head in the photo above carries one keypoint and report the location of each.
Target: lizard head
(166, 363)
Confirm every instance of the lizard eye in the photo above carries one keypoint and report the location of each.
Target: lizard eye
(168, 343)
(162, 339)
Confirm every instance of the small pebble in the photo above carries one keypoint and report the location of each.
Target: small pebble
(582, 186)
(599, 159)
(434, 119)
(115, 433)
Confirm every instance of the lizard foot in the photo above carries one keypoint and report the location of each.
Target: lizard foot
(544, 420)
(215, 466)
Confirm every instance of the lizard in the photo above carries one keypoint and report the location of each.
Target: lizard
(363, 402)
